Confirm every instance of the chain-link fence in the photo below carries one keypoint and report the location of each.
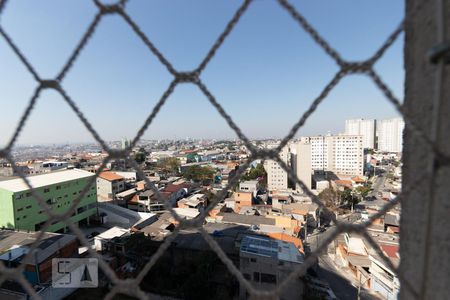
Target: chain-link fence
(132, 286)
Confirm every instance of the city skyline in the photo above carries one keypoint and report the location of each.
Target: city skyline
(115, 65)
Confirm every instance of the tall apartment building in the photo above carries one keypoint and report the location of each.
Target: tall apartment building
(277, 178)
(363, 127)
(347, 155)
(20, 210)
(390, 135)
(301, 162)
(340, 154)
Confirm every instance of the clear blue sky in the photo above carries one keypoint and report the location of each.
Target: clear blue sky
(265, 75)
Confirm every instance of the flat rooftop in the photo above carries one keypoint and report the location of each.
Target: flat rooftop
(268, 247)
(37, 181)
(16, 244)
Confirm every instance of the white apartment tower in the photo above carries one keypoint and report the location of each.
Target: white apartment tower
(390, 135)
(363, 127)
(277, 178)
(348, 155)
(341, 154)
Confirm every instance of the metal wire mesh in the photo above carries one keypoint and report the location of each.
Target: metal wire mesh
(131, 286)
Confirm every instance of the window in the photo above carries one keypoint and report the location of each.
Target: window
(28, 207)
(20, 209)
(253, 259)
(46, 190)
(58, 187)
(256, 276)
(268, 278)
(28, 194)
(247, 276)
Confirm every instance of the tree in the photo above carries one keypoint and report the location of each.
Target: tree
(198, 173)
(139, 157)
(255, 173)
(363, 191)
(349, 197)
(330, 197)
(169, 165)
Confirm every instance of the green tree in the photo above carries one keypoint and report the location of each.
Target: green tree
(198, 173)
(363, 191)
(169, 165)
(255, 173)
(349, 197)
(139, 157)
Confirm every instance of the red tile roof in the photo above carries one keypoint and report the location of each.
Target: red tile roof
(110, 176)
(346, 183)
(176, 187)
(390, 250)
(287, 238)
(358, 179)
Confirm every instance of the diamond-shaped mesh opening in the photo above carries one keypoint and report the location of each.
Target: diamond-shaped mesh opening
(131, 286)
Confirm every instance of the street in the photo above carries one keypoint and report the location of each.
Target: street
(343, 285)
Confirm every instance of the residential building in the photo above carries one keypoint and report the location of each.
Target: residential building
(196, 201)
(277, 178)
(147, 201)
(390, 135)
(249, 186)
(242, 199)
(364, 127)
(384, 280)
(109, 184)
(102, 240)
(301, 162)
(321, 150)
(266, 262)
(348, 155)
(340, 154)
(20, 210)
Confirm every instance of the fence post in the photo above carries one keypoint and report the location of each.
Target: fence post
(425, 228)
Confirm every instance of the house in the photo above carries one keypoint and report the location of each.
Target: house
(123, 197)
(302, 212)
(186, 213)
(147, 201)
(392, 223)
(266, 262)
(195, 201)
(249, 186)
(174, 192)
(102, 240)
(384, 279)
(279, 200)
(157, 228)
(109, 184)
(242, 199)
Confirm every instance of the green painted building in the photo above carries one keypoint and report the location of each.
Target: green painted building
(19, 209)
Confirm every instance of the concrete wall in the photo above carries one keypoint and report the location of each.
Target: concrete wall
(425, 231)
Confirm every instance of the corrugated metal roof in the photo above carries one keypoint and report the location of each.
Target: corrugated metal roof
(18, 185)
